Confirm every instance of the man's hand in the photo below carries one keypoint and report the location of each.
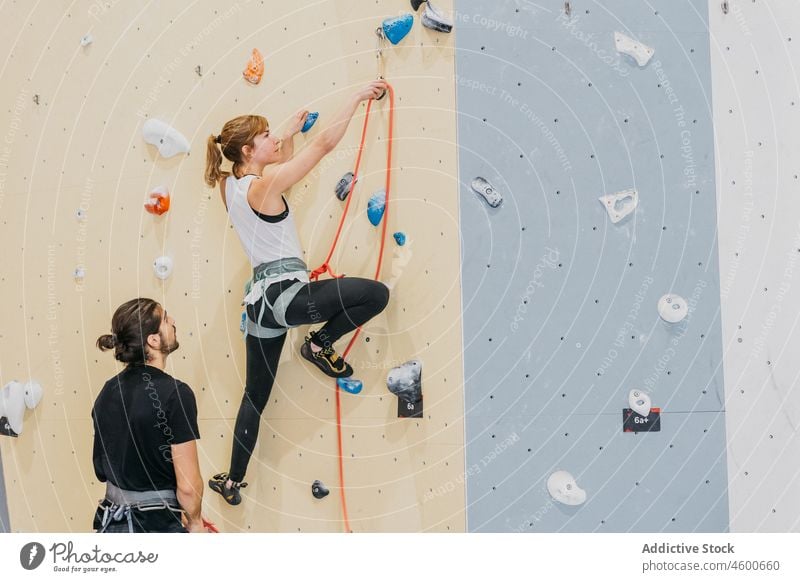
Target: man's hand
(196, 526)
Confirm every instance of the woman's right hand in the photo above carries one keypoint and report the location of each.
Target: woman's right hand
(372, 91)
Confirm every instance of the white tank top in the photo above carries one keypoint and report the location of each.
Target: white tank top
(262, 241)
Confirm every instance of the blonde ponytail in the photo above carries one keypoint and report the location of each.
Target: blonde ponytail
(214, 171)
(236, 133)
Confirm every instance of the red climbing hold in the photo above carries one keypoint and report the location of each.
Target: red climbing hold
(158, 203)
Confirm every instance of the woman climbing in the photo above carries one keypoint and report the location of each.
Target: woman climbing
(280, 294)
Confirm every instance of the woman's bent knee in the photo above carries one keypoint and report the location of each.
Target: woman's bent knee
(381, 295)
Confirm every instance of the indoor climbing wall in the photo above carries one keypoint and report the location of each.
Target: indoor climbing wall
(561, 297)
(76, 173)
(755, 51)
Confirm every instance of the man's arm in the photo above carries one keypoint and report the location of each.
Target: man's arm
(98, 452)
(190, 483)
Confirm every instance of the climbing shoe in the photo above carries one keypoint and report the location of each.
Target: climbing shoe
(326, 359)
(229, 494)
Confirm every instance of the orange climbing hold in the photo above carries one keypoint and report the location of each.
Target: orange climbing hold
(255, 68)
(159, 201)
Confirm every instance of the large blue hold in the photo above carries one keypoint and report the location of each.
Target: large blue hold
(350, 385)
(311, 119)
(396, 29)
(376, 206)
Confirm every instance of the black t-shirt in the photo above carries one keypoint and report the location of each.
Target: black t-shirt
(137, 416)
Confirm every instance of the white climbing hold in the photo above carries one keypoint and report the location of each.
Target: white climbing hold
(672, 308)
(12, 405)
(32, 393)
(162, 267)
(639, 402)
(87, 39)
(80, 215)
(482, 187)
(79, 273)
(640, 52)
(166, 138)
(620, 204)
(562, 487)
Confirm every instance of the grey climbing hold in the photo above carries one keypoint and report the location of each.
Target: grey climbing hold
(344, 185)
(319, 490)
(434, 19)
(405, 381)
(415, 4)
(486, 190)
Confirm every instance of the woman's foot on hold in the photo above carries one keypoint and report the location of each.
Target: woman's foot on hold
(227, 488)
(325, 358)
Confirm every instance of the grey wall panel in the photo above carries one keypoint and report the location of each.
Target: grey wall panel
(559, 303)
(668, 481)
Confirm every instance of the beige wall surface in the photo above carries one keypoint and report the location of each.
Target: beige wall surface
(80, 147)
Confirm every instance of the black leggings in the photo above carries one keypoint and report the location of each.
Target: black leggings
(344, 304)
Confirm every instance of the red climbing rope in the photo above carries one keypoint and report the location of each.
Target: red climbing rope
(325, 267)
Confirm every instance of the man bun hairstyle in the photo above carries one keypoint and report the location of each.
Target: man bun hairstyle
(132, 323)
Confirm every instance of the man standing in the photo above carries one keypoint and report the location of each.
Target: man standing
(145, 430)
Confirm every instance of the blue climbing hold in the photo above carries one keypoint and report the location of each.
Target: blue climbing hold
(349, 385)
(244, 321)
(311, 119)
(376, 206)
(400, 238)
(396, 29)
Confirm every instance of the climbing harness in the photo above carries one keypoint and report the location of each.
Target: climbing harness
(256, 288)
(119, 504)
(326, 268)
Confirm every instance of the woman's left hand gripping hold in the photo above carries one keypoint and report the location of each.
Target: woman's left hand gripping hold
(296, 123)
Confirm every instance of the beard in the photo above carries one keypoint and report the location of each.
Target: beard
(166, 347)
